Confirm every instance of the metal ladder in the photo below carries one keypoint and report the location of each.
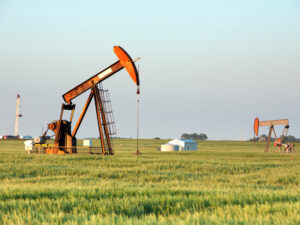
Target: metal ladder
(109, 116)
(105, 96)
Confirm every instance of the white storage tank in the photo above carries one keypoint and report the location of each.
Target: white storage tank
(39, 140)
(169, 148)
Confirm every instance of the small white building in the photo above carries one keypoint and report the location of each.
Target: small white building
(184, 144)
(87, 142)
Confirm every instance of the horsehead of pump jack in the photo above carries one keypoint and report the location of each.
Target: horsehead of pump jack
(65, 140)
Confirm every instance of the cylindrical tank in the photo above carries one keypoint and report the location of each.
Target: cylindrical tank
(39, 140)
(169, 148)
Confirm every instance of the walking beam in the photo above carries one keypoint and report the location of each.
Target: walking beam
(125, 61)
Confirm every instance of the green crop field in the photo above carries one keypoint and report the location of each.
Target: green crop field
(221, 183)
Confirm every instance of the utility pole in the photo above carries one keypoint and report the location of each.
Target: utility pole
(17, 116)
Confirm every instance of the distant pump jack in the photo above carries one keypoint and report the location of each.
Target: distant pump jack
(279, 142)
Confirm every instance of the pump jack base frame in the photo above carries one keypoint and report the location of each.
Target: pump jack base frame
(54, 151)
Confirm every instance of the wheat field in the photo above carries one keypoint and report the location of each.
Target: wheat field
(221, 183)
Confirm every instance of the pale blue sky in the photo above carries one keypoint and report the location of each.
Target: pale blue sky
(207, 66)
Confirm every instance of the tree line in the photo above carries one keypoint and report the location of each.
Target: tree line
(264, 137)
(195, 136)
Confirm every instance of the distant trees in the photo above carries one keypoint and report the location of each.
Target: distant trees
(264, 137)
(289, 138)
(195, 136)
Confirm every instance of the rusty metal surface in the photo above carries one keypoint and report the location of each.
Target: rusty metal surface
(50, 149)
(82, 114)
(86, 85)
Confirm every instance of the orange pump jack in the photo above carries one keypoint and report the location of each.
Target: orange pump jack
(279, 142)
(65, 139)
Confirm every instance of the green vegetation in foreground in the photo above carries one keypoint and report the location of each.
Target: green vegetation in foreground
(221, 183)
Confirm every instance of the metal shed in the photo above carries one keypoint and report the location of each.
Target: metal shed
(184, 144)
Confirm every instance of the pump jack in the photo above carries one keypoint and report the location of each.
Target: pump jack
(65, 140)
(279, 142)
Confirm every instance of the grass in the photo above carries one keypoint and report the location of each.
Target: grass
(222, 183)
